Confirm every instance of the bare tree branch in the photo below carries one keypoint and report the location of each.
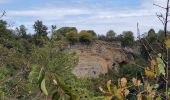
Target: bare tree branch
(159, 17)
(159, 6)
(3, 14)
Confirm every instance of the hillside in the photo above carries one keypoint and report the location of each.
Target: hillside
(72, 64)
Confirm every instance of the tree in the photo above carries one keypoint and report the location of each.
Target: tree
(40, 29)
(92, 33)
(165, 19)
(72, 36)
(62, 32)
(143, 52)
(128, 39)
(7, 37)
(40, 36)
(152, 37)
(101, 37)
(119, 37)
(3, 25)
(21, 31)
(161, 36)
(85, 37)
(110, 35)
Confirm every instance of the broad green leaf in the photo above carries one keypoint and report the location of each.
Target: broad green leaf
(33, 75)
(161, 69)
(41, 75)
(160, 61)
(43, 87)
(161, 66)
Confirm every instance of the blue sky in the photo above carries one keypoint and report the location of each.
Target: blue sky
(98, 15)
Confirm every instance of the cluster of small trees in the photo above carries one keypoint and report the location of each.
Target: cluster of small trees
(72, 35)
(126, 38)
(68, 34)
(153, 41)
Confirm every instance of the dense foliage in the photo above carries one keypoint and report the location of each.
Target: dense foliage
(37, 67)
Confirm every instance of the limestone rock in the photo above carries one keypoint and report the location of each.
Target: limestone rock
(97, 58)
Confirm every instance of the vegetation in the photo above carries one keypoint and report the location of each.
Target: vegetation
(39, 67)
(128, 39)
(110, 35)
(36, 67)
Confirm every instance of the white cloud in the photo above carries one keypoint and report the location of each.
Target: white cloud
(49, 13)
(99, 19)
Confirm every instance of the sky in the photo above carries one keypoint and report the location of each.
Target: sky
(97, 15)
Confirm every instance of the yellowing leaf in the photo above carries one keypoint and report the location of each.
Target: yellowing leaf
(167, 42)
(108, 98)
(114, 89)
(149, 73)
(139, 97)
(108, 85)
(126, 92)
(151, 95)
(123, 82)
(43, 87)
(55, 82)
(159, 55)
(118, 94)
(136, 82)
(101, 89)
(153, 65)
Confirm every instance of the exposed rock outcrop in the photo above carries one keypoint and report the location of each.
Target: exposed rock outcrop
(97, 58)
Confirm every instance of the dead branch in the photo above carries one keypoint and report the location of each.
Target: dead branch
(159, 6)
(3, 14)
(159, 17)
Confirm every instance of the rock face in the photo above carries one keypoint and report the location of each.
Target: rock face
(97, 58)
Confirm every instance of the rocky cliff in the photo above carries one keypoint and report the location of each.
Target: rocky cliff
(97, 58)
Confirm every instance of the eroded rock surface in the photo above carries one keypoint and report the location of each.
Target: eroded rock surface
(97, 58)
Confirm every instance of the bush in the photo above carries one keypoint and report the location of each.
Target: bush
(130, 70)
(85, 37)
(72, 37)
